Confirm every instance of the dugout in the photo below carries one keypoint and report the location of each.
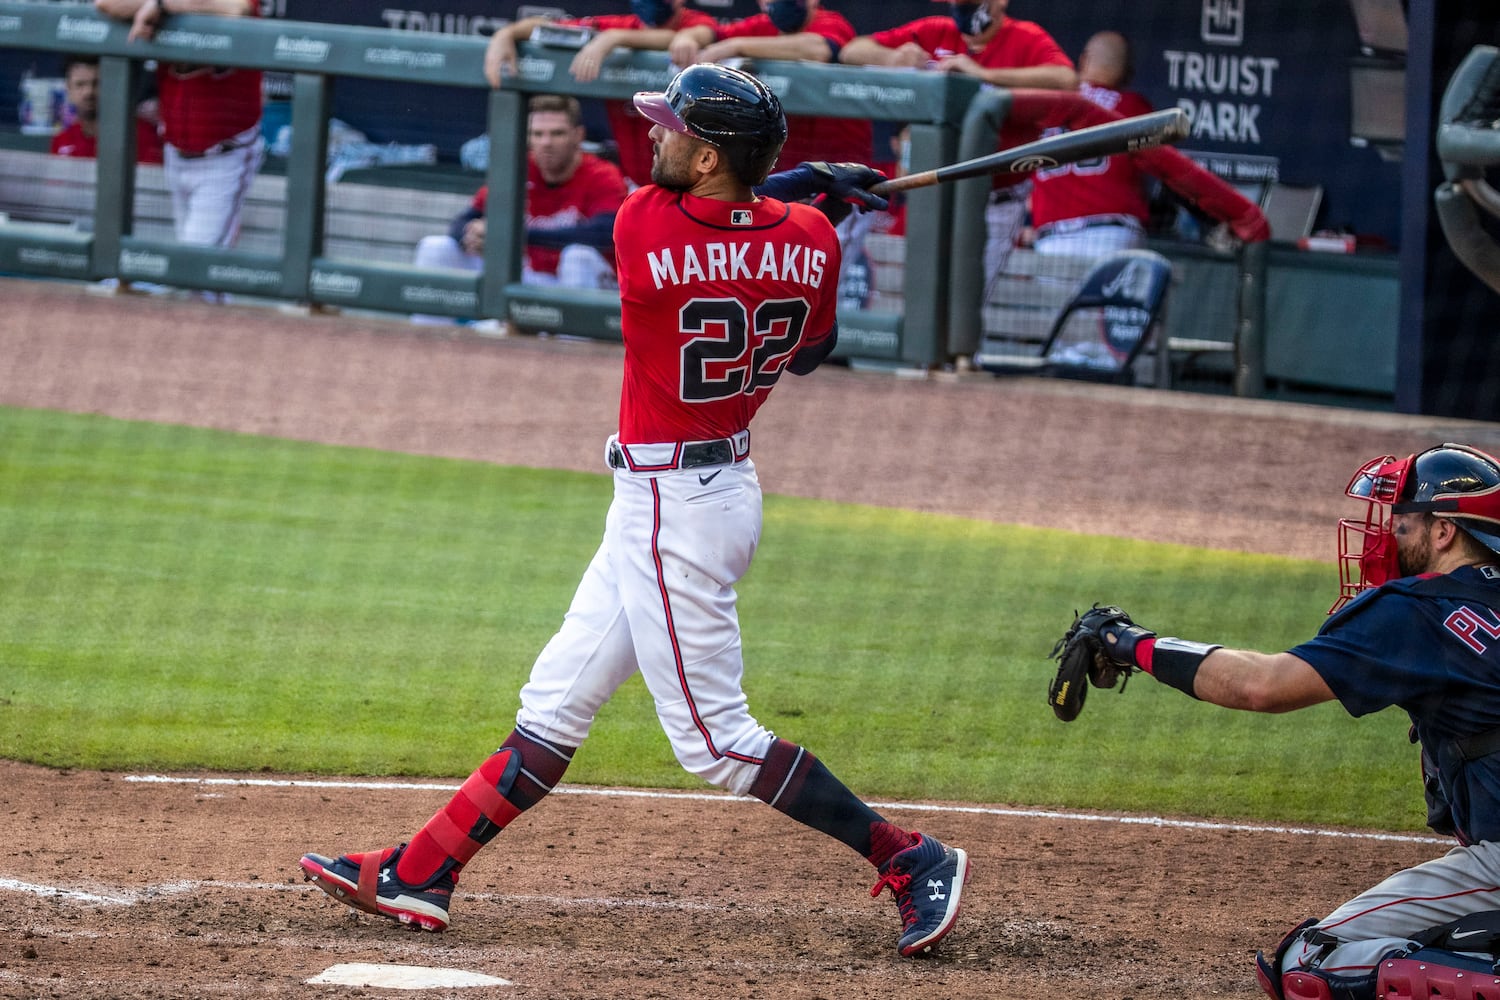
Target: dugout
(318, 55)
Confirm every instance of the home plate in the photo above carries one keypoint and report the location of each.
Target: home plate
(402, 977)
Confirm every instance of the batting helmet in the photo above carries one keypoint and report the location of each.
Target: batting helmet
(727, 108)
(1452, 481)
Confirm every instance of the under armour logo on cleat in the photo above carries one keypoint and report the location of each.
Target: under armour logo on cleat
(936, 885)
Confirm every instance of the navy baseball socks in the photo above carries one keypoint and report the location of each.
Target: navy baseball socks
(926, 878)
(413, 883)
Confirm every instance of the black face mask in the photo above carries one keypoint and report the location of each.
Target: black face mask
(964, 15)
(788, 15)
(980, 20)
(653, 13)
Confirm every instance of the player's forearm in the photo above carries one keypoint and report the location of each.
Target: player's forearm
(803, 46)
(653, 39)
(124, 9)
(1259, 682)
(596, 231)
(865, 51)
(520, 31)
(1035, 77)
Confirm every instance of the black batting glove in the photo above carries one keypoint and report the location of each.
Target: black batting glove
(848, 182)
(839, 187)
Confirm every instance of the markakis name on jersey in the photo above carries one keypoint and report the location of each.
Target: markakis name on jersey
(757, 261)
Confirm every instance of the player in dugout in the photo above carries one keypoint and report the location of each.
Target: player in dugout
(651, 24)
(725, 285)
(792, 30)
(571, 200)
(81, 137)
(1417, 626)
(980, 40)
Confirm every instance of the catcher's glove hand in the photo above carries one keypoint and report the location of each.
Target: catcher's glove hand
(1099, 648)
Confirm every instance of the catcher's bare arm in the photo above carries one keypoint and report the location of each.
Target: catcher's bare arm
(1104, 644)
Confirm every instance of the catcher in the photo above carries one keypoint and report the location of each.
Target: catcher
(1417, 624)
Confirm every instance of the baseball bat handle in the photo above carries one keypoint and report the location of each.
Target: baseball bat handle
(1109, 139)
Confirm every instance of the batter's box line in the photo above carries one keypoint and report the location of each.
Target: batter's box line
(635, 793)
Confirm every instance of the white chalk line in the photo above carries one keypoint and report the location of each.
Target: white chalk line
(131, 897)
(1157, 821)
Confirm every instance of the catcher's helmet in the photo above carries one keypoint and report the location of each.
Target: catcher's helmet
(726, 107)
(1452, 481)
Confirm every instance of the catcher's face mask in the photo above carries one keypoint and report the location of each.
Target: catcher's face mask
(1367, 548)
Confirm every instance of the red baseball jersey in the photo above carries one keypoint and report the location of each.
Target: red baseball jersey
(716, 297)
(1018, 44)
(1109, 185)
(202, 106)
(938, 36)
(72, 141)
(809, 137)
(630, 129)
(596, 187)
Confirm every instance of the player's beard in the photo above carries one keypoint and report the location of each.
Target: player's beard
(673, 175)
(1414, 556)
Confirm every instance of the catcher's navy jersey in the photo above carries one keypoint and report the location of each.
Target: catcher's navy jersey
(1432, 647)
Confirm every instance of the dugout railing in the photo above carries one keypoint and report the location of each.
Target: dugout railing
(317, 54)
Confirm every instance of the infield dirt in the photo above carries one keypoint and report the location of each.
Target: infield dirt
(184, 889)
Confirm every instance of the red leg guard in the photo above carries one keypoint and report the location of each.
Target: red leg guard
(1416, 979)
(471, 818)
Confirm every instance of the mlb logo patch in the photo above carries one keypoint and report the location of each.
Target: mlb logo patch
(741, 217)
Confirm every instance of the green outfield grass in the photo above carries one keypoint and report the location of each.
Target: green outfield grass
(174, 598)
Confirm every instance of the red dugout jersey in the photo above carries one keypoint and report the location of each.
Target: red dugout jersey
(716, 298)
(1109, 185)
(596, 187)
(808, 137)
(1018, 44)
(938, 36)
(202, 106)
(625, 122)
(71, 141)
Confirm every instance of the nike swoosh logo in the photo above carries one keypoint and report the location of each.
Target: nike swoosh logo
(1456, 936)
(705, 480)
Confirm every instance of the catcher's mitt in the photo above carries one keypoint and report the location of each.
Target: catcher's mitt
(1099, 648)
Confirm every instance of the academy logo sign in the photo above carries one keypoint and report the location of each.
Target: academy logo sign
(139, 262)
(336, 283)
(389, 55)
(302, 50)
(81, 29)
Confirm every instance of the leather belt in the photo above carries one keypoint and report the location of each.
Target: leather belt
(1078, 225)
(678, 455)
(227, 146)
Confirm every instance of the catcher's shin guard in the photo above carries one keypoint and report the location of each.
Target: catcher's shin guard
(1311, 983)
(1430, 972)
(471, 819)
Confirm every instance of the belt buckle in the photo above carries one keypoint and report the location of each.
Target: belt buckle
(719, 452)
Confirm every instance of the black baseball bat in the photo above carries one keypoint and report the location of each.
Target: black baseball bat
(1124, 136)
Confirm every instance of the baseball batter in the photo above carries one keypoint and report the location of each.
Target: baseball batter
(722, 292)
(210, 118)
(1417, 626)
